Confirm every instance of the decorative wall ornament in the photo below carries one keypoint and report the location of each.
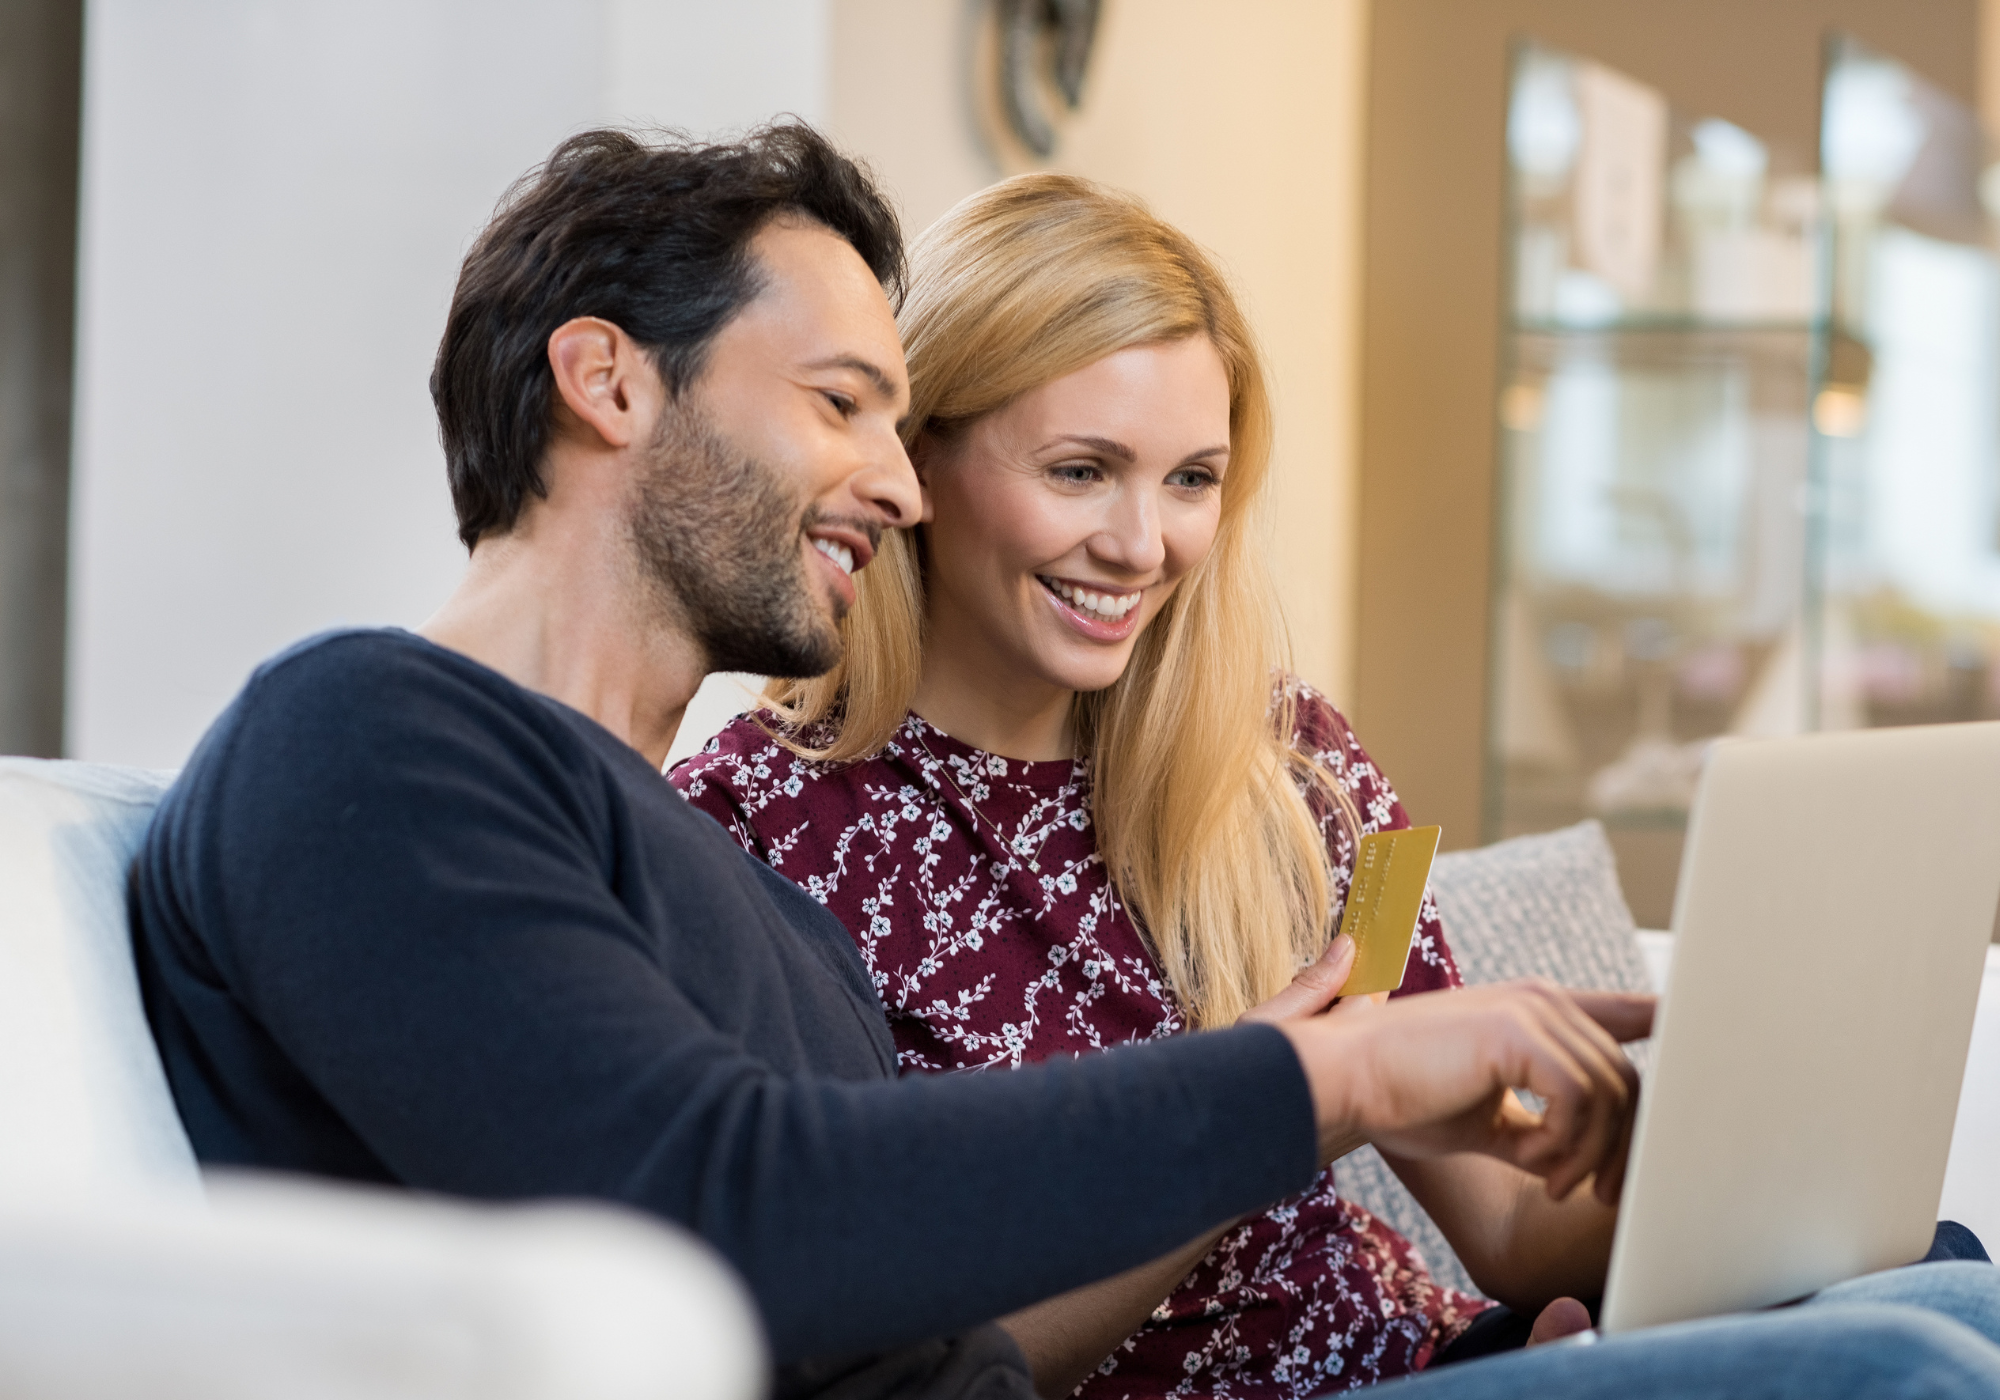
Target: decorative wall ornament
(1043, 44)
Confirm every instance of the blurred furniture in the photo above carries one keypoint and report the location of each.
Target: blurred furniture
(1660, 338)
(1749, 467)
(241, 1287)
(1906, 436)
(1550, 906)
(1434, 288)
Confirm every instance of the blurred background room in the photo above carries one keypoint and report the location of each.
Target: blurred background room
(1635, 363)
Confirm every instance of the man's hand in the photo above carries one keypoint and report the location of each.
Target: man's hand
(1429, 1075)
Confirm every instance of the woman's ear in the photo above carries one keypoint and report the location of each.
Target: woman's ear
(925, 454)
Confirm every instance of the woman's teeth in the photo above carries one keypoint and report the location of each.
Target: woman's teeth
(838, 553)
(1107, 606)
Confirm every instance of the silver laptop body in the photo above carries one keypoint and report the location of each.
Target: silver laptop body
(1836, 899)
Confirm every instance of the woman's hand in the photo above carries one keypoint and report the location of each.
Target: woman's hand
(1312, 992)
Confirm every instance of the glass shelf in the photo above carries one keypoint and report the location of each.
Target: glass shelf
(1749, 441)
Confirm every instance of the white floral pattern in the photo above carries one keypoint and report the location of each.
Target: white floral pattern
(972, 887)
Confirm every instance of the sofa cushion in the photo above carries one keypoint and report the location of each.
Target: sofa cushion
(82, 1096)
(1535, 906)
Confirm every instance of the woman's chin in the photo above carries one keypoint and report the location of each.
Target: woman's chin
(1087, 673)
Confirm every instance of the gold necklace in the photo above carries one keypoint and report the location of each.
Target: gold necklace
(1018, 844)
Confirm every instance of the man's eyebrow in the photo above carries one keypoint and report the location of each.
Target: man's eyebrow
(867, 369)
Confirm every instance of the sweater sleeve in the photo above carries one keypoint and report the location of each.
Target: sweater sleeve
(417, 911)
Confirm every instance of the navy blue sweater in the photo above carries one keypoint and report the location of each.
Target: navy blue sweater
(402, 920)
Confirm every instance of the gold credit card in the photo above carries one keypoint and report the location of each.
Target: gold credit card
(1391, 870)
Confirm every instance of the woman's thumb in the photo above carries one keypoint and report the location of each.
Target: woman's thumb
(1313, 990)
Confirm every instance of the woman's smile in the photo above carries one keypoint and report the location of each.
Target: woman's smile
(1102, 612)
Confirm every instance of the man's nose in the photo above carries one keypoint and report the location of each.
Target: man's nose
(888, 484)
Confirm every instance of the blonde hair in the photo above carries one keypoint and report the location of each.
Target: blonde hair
(1199, 820)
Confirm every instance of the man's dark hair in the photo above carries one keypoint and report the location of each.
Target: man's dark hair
(653, 238)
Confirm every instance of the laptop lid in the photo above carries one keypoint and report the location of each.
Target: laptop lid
(1836, 898)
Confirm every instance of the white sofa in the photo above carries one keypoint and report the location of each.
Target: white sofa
(234, 1288)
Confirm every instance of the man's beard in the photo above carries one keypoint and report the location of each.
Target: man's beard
(717, 535)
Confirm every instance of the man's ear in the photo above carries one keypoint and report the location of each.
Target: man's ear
(925, 454)
(607, 384)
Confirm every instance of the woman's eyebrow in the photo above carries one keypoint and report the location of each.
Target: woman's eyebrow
(1109, 447)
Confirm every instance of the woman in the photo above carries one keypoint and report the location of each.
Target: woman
(1058, 801)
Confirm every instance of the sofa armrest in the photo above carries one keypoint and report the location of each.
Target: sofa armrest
(1972, 1177)
(294, 1288)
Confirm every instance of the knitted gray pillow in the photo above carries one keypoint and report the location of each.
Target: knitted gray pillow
(1536, 906)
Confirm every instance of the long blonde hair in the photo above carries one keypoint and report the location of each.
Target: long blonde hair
(1199, 821)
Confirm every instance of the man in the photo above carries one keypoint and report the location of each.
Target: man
(421, 909)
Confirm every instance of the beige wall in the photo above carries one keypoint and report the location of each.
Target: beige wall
(1989, 65)
(1242, 124)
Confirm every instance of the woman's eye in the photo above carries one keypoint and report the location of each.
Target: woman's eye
(1076, 472)
(842, 404)
(1192, 479)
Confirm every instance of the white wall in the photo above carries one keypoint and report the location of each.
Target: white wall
(276, 197)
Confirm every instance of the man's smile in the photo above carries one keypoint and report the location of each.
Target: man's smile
(848, 542)
(838, 553)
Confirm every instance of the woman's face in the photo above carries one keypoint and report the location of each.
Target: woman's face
(1059, 526)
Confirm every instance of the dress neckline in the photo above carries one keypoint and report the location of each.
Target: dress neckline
(991, 768)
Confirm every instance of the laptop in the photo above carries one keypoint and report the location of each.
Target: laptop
(1836, 899)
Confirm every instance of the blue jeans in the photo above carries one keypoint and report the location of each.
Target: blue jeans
(1926, 1332)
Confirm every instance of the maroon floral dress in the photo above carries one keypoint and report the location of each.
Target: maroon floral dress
(973, 888)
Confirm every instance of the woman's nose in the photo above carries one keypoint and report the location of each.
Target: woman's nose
(1131, 536)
